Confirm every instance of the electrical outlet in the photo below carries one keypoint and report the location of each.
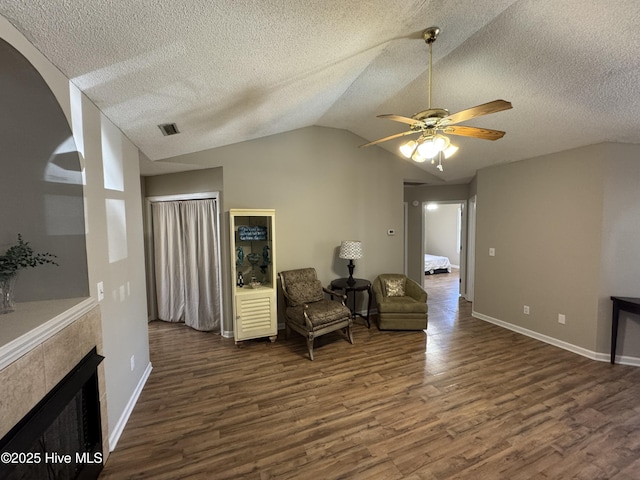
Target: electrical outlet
(492, 252)
(561, 318)
(133, 362)
(100, 291)
(526, 310)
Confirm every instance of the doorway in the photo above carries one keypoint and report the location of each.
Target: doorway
(184, 263)
(444, 230)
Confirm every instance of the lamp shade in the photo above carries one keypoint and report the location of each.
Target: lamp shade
(350, 249)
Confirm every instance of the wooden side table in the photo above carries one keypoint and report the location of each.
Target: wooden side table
(627, 304)
(358, 285)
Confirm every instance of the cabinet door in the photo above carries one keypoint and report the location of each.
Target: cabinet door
(255, 316)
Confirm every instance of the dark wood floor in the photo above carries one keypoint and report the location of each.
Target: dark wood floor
(466, 400)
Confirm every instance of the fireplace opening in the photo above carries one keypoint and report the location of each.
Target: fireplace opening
(61, 437)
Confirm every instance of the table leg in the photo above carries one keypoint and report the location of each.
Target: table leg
(368, 306)
(614, 330)
(353, 310)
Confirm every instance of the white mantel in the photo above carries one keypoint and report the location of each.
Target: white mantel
(34, 322)
(39, 344)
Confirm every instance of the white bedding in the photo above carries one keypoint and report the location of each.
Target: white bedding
(435, 262)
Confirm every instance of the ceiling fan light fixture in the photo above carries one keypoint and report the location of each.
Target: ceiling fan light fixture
(429, 122)
(428, 149)
(450, 150)
(433, 145)
(418, 158)
(408, 148)
(441, 142)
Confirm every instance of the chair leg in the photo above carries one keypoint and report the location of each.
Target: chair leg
(310, 346)
(349, 334)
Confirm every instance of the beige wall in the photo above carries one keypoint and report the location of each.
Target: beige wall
(324, 190)
(195, 181)
(44, 180)
(552, 221)
(115, 255)
(114, 231)
(620, 262)
(422, 194)
(543, 217)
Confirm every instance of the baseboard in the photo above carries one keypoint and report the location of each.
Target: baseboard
(599, 356)
(621, 359)
(227, 333)
(124, 418)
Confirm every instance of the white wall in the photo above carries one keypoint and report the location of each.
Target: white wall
(114, 231)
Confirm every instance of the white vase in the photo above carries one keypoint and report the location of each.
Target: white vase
(7, 287)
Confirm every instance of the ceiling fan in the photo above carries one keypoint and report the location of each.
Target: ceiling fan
(433, 123)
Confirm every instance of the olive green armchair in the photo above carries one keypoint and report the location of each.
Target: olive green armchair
(401, 302)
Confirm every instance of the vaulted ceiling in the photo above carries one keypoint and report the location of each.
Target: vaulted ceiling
(235, 70)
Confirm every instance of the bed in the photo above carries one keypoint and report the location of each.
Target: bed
(436, 264)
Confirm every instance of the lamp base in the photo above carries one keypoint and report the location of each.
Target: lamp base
(351, 280)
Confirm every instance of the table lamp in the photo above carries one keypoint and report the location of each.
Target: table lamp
(350, 250)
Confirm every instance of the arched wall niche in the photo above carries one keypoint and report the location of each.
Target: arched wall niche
(41, 183)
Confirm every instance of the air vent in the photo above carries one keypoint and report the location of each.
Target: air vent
(413, 184)
(169, 129)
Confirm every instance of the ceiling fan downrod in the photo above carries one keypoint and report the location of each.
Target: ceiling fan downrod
(430, 35)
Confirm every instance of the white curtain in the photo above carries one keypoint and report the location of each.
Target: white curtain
(186, 263)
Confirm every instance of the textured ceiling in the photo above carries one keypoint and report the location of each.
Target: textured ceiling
(230, 71)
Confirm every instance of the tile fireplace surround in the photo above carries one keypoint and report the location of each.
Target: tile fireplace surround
(39, 344)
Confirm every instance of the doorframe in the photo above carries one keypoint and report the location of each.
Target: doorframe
(471, 250)
(406, 238)
(463, 239)
(149, 252)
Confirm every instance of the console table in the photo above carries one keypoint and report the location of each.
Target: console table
(627, 304)
(357, 285)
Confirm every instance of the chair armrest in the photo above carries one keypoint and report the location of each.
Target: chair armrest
(379, 295)
(415, 291)
(334, 293)
(377, 290)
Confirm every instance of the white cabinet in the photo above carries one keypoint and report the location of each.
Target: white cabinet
(253, 273)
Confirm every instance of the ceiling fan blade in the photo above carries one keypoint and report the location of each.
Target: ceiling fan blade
(400, 118)
(477, 111)
(475, 132)
(390, 137)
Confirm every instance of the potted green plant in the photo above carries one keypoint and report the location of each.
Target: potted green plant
(16, 258)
